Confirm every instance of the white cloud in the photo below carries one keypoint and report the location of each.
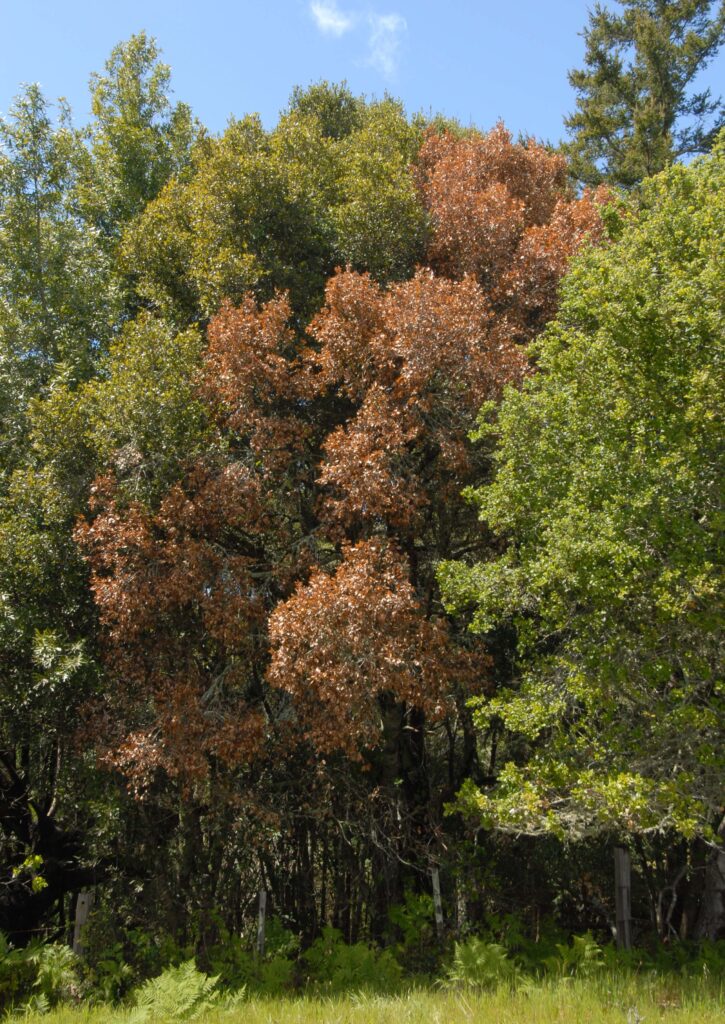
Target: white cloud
(386, 31)
(384, 37)
(329, 18)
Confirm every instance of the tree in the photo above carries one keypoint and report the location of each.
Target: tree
(138, 139)
(252, 214)
(380, 224)
(635, 110)
(277, 603)
(503, 212)
(56, 312)
(56, 298)
(269, 211)
(184, 580)
(59, 307)
(333, 106)
(606, 501)
(142, 417)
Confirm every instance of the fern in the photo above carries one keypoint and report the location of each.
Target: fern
(480, 964)
(338, 967)
(178, 994)
(582, 958)
(57, 977)
(38, 976)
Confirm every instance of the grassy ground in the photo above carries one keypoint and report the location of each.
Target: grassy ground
(606, 1000)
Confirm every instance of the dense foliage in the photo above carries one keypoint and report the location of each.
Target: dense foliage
(607, 493)
(636, 108)
(240, 383)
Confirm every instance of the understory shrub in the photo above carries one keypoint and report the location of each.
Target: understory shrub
(480, 964)
(334, 966)
(581, 958)
(237, 966)
(180, 993)
(37, 976)
(417, 950)
(40, 976)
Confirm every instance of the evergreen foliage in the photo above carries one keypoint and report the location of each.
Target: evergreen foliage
(636, 112)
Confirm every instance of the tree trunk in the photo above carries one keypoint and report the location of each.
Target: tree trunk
(711, 919)
(28, 829)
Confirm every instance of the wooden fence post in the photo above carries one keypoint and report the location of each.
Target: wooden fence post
(461, 910)
(84, 902)
(437, 904)
(623, 897)
(261, 921)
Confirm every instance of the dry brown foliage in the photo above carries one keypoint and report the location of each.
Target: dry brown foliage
(287, 584)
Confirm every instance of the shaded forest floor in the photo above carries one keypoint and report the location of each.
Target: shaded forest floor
(606, 1000)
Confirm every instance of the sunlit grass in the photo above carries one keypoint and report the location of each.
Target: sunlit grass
(607, 999)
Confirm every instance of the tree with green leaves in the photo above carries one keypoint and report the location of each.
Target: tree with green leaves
(279, 210)
(138, 139)
(56, 296)
(636, 112)
(606, 507)
(337, 111)
(142, 417)
(61, 206)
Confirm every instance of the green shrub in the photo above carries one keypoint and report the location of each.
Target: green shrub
(178, 994)
(151, 952)
(480, 964)
(582, 958)
(38, 976)
(16, 974)
(109, 977)
(232, 962)
(337, 967)
(238, 967)
(689, 959)
(274, 976)
(418, 949)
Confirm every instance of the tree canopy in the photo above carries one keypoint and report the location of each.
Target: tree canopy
(240, 382)
(606, 500)
(636, 111)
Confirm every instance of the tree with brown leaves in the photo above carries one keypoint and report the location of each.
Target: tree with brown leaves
(281, 600)
(503, 212)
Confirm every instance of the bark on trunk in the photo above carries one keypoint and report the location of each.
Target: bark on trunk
(711, 919)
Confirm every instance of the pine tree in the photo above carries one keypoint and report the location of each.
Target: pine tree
(635, 112)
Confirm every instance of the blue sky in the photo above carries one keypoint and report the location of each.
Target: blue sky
(472, 59)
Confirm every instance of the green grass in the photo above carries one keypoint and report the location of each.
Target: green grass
(605, 1000)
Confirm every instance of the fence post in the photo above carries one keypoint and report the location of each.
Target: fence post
(461, 909)
(435, 878)
(261, 921)
(623, 897)
(84, 902)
